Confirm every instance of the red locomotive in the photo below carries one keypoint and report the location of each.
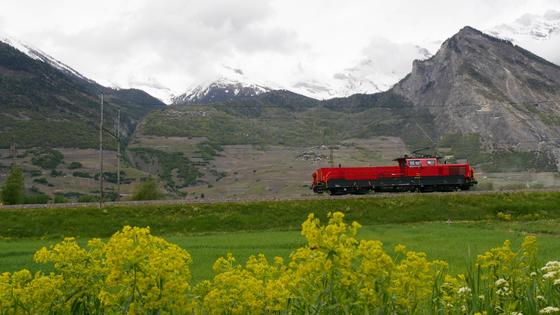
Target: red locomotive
(420, 173)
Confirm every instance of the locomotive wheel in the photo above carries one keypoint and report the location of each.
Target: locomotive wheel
(337, 192)
(318, 190)
(360, 191)
(426, 189)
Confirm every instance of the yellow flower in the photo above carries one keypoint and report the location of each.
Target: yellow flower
(137, 273)
(400, 249)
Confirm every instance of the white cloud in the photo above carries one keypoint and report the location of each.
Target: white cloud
(539, 33)
(177, 43)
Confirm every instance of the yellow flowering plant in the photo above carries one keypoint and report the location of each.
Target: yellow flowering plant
(334, 273)
(135, 272)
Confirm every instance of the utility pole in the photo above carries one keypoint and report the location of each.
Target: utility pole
(118, 155)
(101, 155)
(331, 156)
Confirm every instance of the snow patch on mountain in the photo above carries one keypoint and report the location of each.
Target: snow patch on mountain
(539, 33)
(384, 63)
(314, 89)
(221, 89)
(163, 94)
(153, 87)
(537, 27)
(37, 54)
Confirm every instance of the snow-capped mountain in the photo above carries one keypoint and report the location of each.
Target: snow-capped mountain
(538, 33)
(37, 54)
(153, 88)
(370, 75)
(220, 90)
(314, 88)
(378, 71)
(33, 82)
(344, 84)
(158, 91)
(538, 27)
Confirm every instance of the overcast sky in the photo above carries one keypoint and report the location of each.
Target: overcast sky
(176, 43)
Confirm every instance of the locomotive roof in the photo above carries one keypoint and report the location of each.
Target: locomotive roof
(418, 157)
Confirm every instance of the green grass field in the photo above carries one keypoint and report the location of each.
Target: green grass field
(448, 241)
(445, 226)
(271, 215)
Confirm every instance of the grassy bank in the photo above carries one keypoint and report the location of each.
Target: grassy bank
(272, 215)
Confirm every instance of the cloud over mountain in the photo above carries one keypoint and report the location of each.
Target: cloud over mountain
(357, 46)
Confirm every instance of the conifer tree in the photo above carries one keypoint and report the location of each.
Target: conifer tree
(13, 190)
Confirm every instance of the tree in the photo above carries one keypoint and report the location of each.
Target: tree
(148, 190)
(13, 190)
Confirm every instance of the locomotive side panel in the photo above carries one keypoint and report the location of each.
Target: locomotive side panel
(360, 180)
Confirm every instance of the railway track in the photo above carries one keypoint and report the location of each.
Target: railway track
(261, 199)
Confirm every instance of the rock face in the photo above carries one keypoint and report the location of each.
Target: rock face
(478, 84)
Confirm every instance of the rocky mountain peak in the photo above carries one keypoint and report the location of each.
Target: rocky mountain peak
(479, 84)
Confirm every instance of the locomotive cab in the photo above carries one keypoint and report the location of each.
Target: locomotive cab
(418, 162)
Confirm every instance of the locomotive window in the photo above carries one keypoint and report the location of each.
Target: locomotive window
(431, 162)
(413, 163)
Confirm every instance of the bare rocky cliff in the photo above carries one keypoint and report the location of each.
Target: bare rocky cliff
(478, 84)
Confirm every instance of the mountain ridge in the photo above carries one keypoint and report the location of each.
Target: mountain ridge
(46, 103)
(476, 90)
(476, 84)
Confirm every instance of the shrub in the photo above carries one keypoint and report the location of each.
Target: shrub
(74, 165)
(47, 158)
(59, 199)
(169, 163)
(111, 177)
(13, 190)
(147, 190)
(133, 271)
(35, 190)
(82, 174)
(41, 180)
(88, 198)
(55, 173)
(37, 199)
(110, 196)
(35, 173)
(333, 273)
